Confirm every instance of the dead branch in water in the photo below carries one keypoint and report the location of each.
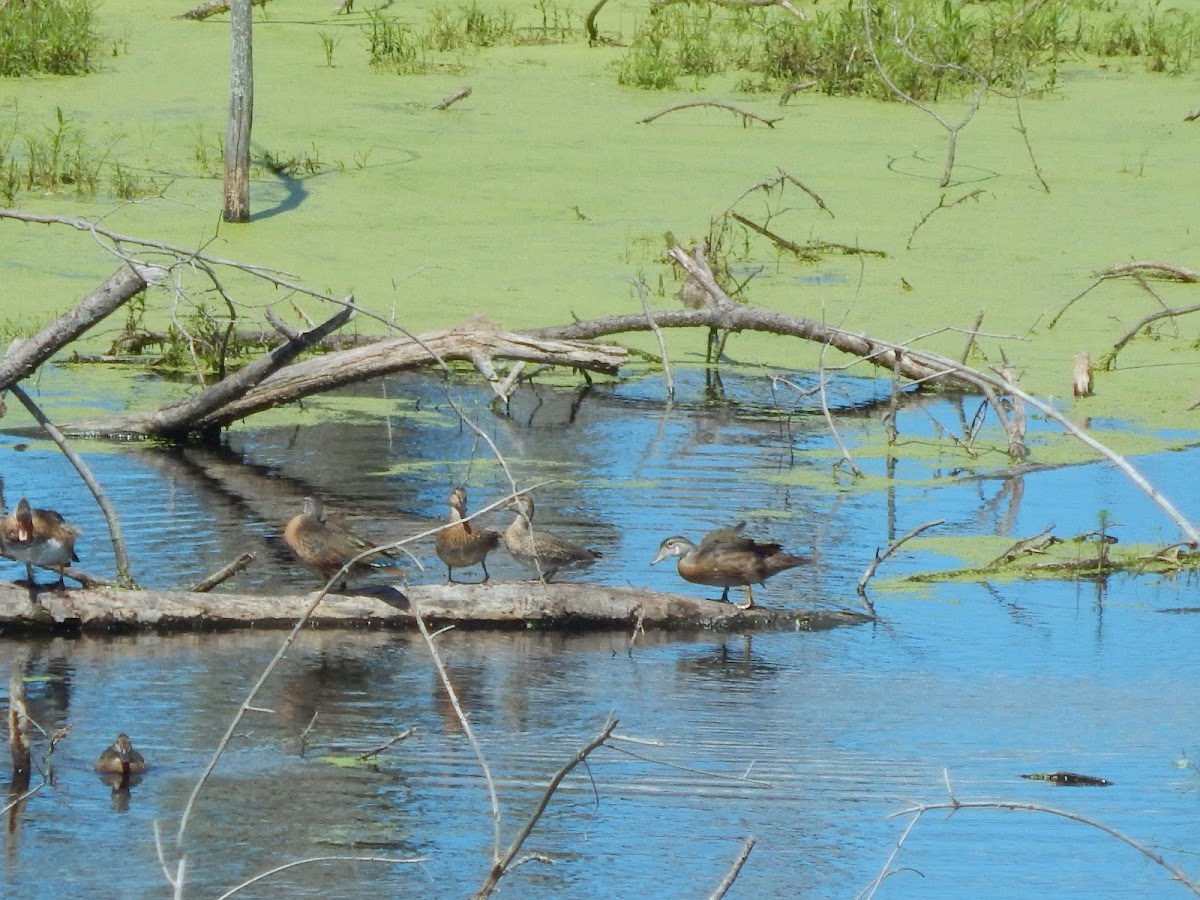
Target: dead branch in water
(783, 4)
(881, 556)
(222, 574)
(461, 94)
(747, 116)
(216, 7)
(1139, 271)
(954, 805)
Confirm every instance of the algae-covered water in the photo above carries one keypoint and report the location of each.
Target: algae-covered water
(538, 198)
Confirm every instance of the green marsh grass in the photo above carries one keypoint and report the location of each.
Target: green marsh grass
(55, 38)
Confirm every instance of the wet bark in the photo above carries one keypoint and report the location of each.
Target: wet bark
(494, 605)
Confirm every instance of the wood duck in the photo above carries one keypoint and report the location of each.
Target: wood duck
(121, 759)
(461, 544)
(537, 550)
(325, 545)
(38, 537)
(727, 558)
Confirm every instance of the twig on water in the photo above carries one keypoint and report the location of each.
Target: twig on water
(410, 860)
(880, 557)
(394, 739)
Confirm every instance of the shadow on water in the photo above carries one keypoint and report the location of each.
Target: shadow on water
(808, 741)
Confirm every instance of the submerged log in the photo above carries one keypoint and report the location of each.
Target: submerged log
(511, 605)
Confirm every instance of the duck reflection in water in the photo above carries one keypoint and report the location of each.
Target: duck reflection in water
(545, 553)
(38, 537)
(727, 558)
(325, 545)
(121, 767)
(461, 543)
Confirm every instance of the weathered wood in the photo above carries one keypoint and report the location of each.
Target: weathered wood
(24, 357)
(241, 112)
(493, 605)
(472, 341)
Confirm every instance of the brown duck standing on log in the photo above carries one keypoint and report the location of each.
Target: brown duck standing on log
(38, 537)
(461, 544)
(325, 545)
(538, 550)
(727, 558)
(121, 759)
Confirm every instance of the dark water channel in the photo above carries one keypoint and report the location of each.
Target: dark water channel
(807, 741)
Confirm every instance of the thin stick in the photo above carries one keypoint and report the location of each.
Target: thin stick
(880, 557)
(467, 730)
(224, 573)
(110, 513)
(395, 739)
(25, 796)
(502, 865)
(740, 779)
(410, 860)
(746, 115)
(246, 704)
(955, 805)
(734, 869)
(662, 343)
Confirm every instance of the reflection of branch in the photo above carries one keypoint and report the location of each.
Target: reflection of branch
(747, 116)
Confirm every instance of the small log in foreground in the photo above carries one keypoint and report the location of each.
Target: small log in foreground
(512, 605)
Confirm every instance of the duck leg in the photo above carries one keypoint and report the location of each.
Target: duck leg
(749, 599)
(486, 576)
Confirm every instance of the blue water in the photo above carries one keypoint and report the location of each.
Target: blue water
(810, 742)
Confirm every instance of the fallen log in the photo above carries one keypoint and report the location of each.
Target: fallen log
(495, 605)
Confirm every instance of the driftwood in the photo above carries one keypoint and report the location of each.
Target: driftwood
(477, 341)
(216, 7)
(461, 94)
(495, 605)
